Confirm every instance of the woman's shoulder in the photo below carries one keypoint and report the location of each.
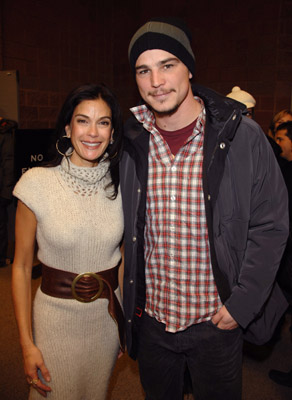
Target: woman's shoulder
(38, 173)
(36, 176)
(35, 184)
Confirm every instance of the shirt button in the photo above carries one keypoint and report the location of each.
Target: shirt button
(131, 282)
(234, 117)
(172, 228)
(222, 146)
(139, 190)
(129, 320)
(173, 168)
(209, 197)
(172, 198)
(134, 238)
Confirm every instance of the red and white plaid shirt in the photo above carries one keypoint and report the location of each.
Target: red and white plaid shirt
(180, 287)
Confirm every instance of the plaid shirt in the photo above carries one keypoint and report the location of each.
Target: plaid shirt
(180, 287)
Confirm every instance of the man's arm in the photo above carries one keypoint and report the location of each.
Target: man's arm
(266, 239)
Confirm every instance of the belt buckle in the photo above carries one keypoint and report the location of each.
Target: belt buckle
(85, 275)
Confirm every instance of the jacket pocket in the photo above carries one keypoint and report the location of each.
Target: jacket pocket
(230, 246)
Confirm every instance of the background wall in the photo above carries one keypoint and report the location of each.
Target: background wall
(56, 45)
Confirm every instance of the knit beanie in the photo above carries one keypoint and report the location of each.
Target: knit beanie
(165, 33)
(242, 96)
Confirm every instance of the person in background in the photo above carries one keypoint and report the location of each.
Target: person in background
(278, 119)
(206, 222)
(245, 98)
(283, 136)
(73, 209)
(6, 182)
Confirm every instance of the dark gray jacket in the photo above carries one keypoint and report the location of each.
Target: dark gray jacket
(7, 179)
(247, 216)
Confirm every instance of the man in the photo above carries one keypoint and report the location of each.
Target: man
(278, 119)
(205, 225)
(7, 182)
(283, 136)
(245, 98)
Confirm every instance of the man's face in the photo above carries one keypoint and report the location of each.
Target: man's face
(163, 81)
(249, 113)
(285, 118)
(285, 143)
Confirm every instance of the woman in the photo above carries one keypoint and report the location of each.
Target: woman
(73, 209)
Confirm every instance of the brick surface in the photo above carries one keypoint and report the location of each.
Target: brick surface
(246, 44)
(265, 103)
(37, 98)
(28, 113)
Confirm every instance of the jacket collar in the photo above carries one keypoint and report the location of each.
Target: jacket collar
(223, 116)
(220, 111)
(223, 113)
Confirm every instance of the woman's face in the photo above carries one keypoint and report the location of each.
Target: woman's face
(90, 131)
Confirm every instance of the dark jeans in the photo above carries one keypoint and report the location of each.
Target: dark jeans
(212, 355)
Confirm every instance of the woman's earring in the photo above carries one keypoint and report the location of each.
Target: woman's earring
(112, 142)
(58, 150)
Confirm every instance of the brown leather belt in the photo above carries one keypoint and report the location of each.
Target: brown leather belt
(86, 287)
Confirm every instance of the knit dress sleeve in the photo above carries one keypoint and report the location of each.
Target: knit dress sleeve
(29, 186)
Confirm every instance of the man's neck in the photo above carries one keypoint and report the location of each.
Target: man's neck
(187, 112)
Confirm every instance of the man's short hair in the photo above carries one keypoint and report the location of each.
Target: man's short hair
(287, 126)
(276, 118)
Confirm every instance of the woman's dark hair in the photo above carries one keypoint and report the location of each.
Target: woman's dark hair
(92, 92)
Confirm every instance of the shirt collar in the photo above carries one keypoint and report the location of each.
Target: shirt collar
(146, 117)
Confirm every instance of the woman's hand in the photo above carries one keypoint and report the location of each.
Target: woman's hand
(121, 353)
(33, 361)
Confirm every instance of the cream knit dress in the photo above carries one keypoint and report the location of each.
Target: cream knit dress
(79, 230)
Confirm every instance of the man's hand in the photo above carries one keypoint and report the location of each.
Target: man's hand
(224, 320)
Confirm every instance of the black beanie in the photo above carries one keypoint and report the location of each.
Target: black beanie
(168, 34)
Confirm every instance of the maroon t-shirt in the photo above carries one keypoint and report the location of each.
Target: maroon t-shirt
(176, 139)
